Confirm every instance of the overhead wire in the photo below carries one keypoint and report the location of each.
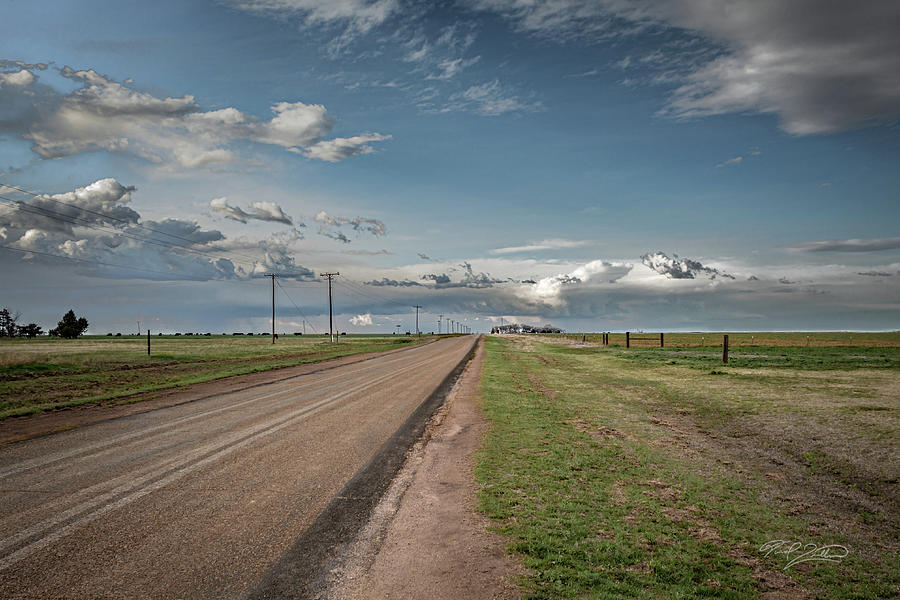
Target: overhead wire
(104, 215)
(81, 222)
(299, 310)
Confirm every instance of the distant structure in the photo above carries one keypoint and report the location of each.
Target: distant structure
(517, 328)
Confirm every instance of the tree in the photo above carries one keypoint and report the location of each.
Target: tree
(32, 330)
(8, 327)
(71, 326)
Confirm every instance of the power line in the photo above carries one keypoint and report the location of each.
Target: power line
(78, 221)
(105, 216)
(305, 318)
(92, 262)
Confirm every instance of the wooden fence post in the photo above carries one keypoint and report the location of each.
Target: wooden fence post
(725, 350)
(628, 339)
(662, 343)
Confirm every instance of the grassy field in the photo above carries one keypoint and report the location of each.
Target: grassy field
(662, 473)
(49, 373)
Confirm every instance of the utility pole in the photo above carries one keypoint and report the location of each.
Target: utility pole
(417, 307)
(272, 275)
(330, 276)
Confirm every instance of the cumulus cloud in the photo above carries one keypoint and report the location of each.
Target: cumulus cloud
(338, 149)
(107, 115)
(94, 226)
(679, 268)
(551, 291)
(820, 67)
(550, 244)
(259, 210)
(331, 224)
(851, 245)
(362, 320)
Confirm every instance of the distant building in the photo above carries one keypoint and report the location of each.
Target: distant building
(517, 328)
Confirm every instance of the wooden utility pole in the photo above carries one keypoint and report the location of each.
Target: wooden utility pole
(148, 342)
(330, 276)
(417, 307)
(725, 350)
(272, 275)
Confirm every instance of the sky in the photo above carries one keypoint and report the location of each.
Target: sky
(597, 165)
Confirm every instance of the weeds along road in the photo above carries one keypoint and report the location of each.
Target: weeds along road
(200, 500)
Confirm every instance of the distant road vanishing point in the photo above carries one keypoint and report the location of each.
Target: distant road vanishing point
(206, 499)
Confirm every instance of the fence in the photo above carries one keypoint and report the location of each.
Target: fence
(653, 338)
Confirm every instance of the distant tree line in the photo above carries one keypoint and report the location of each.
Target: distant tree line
(69, 327)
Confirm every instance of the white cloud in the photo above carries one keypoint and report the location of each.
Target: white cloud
(551, 291)
(360, 15)
(338, 149)
(21, 77)
(364, 320)
(680, 268)
(731, 161)
(106, 115)
(489, 99)
(549, 244)
(449, 68)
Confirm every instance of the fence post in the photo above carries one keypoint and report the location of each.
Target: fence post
(725, 350)
(628, 339)
(662, 343)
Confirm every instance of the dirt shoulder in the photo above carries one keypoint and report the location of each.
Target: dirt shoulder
(425, 538)
(14, 429)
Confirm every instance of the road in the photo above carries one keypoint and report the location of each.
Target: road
(200, 500)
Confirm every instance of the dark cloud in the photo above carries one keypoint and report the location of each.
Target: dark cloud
(820, 66)
(875, 274)
(331, 224)
(259, 210)
(385, 282)
(851, 245)
(470, 279)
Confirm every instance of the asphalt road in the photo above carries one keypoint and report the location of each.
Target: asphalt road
(203, 499)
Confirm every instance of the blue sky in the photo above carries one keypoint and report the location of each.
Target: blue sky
(537, 161)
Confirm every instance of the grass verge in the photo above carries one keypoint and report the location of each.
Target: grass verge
(47, 374)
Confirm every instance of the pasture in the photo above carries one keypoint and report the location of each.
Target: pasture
(660, 472)
(50, 373)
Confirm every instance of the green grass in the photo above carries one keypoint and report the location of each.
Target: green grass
(46, 373)
(624, 478)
